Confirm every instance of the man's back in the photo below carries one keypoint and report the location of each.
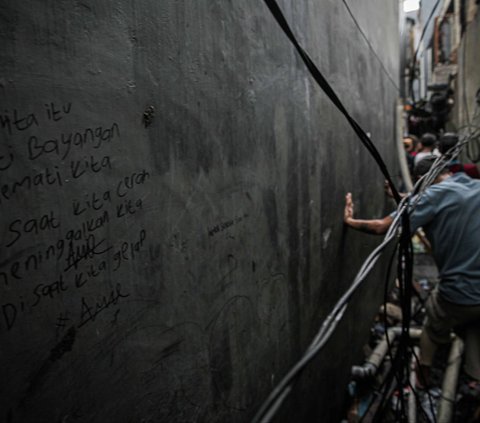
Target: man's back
(450, 214)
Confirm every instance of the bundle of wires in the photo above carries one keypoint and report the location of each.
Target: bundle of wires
(399, 369)
(400, 361)
(400, 225)
(329, 91)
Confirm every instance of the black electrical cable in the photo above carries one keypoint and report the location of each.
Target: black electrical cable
(392, 374)
(385, 300)
(370, 45)
(419, 308)
(405, 274)
(425, 28)
(417, 398)
(394, 368)
(397, 369)
(277, 396)
(274, 401)
(429, 395)
(328, 326)
(326, 87)
(322, 337)
(385, 391)
(405, 289)
(414, 59)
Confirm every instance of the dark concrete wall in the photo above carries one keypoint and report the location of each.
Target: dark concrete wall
(173, 266)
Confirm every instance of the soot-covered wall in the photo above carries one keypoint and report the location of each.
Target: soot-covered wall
(172, 187)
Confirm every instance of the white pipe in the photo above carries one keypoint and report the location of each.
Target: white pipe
(449, 386)
(412, 401)
(375, 360)
(402, 158)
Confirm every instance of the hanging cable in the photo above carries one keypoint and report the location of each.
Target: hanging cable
(327, 88)
(401, 220)
(406, 206)
(370, 45)
(415, 54)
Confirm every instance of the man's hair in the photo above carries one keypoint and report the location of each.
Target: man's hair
(447, 141)
(428, 139)
(424, 165)
(413, 138)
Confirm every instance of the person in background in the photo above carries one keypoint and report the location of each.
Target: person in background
(446, 142)
(426, 147)
(410, 143)
(448, 213)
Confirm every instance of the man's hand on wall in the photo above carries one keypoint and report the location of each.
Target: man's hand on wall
(348, 212)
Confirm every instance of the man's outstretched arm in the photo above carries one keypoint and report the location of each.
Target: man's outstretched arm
(371, 226)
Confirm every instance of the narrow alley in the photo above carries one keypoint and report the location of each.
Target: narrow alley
(252, 211)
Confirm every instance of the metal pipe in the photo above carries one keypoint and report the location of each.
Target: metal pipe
(402, 158)
(376, 358)
(450, 379)
(412, 401)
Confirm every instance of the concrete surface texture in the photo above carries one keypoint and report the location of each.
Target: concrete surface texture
(172, 188)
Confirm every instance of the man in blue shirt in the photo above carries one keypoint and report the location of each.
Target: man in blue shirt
(449, 213)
